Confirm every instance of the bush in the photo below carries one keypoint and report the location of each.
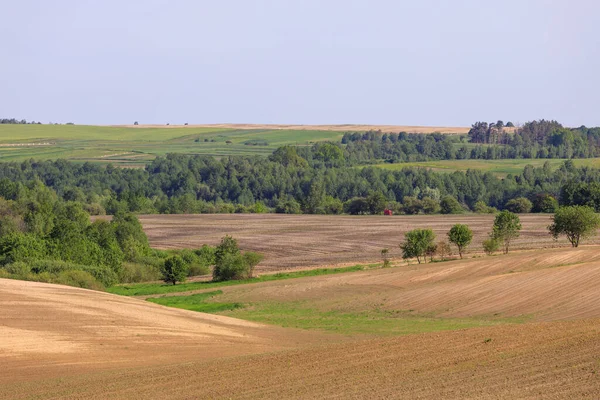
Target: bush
(206, 255)
(449, 205)
(520, 205)
(544, 203)
(481, 208)
(231, 266)
(288, 207)
(78, 278)
(490, 246)
(135, 273)
(21, 246)
(443, 250)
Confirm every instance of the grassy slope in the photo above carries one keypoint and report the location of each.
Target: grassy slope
(136, 146)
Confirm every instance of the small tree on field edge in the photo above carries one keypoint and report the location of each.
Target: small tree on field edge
(506, 228)
(417, 243)
(576, 222)
(174, 270)
(461, 236)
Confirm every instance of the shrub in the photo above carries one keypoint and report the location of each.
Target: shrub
(520, 205)
(490, 246)
(449, 205)
(251, 260)
(288, 207)
(135, 273)
(78, 278)
(481, 208)
(206, 255)
(544, 203)
(231, 266)
(443, 250)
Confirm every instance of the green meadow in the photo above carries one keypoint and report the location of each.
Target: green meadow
(131, 147)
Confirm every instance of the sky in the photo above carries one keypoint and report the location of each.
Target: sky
(427, 62)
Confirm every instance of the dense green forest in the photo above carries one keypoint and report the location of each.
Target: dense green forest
(536, 139)
(289, 183)
(45, 238)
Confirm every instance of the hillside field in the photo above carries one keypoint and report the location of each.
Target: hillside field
(524, 325)
(133, 146)
(296, 241)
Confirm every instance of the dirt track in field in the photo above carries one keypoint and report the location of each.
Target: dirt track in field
(335, 128)
(294, 241)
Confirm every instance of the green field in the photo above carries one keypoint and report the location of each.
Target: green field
(500, 168)
(132, 147)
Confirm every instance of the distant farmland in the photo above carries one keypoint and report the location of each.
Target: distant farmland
(136, 146)
(500, 168)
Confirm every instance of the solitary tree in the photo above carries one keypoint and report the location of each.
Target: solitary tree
(416, 244)
(506, 228)
(576, 222)
(461, 236)
(174, 270)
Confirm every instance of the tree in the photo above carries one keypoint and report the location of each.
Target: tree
(416, 244)
(506, 228)
(576, 222)
(449, 205)
(520, 205)
(461, 236)
(174, 270)
(376, 202)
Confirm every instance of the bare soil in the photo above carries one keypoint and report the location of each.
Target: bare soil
(337, 128)
(296, 241)
(68, 343)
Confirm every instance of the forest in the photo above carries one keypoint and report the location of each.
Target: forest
(289, 183)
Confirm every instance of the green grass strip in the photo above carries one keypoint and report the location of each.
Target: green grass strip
(144, 289)
(196, 302)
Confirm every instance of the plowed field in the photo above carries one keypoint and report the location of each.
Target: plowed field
(66, 343)
(293, 241)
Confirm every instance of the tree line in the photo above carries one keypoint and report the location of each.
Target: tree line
(574, 222)
(289, 183)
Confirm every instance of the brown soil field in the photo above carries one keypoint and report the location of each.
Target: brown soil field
(538, 285)
(295, 241)
(68, 343)
(52, 330)
(335, 128)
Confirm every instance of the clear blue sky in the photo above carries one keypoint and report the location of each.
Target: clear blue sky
(300, 61)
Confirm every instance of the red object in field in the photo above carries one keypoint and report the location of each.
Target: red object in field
(388, 212)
